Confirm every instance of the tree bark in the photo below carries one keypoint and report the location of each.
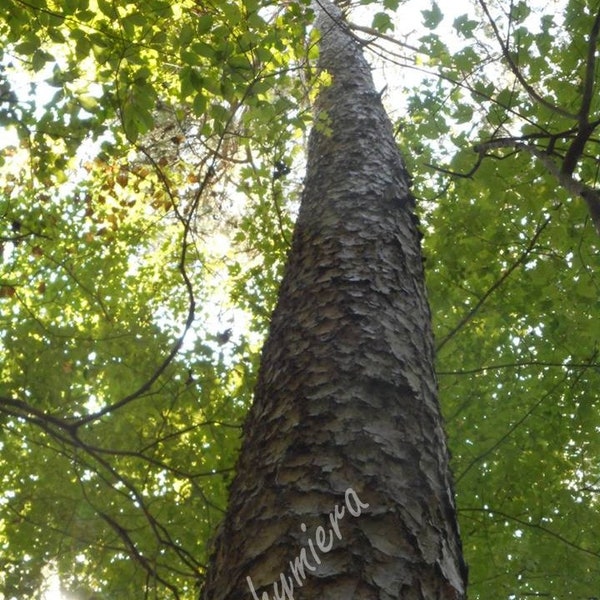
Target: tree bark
(343, 487)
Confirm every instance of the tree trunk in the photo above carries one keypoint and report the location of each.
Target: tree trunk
(343, 487)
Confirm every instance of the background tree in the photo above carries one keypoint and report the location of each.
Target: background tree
(144, 193)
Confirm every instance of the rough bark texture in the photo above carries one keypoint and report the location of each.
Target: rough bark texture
(346, 395)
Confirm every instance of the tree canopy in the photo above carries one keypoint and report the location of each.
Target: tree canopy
(150, 162)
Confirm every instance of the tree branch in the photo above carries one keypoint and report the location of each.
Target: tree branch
(521, 365)
(586, 128)
(590, 195)
(23, 410)
(525, 523)
(382, 36)
(511, 429)
(517, 73)
(495, 285)
(525, 416)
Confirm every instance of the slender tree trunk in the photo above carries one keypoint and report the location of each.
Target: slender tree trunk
(343, 487)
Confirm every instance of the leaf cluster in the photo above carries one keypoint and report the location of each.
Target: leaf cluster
(122, 389)
(496, 137)
(149, 181)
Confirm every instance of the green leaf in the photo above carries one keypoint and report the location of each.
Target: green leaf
(464, 113)
(29, 46)
(107, 8)
(186, 34)
(137, 120)
(82, 47)
(39, 59)
(142, 75)
(382, 22)
(89, 103)
(200, 104)
(57, 36)
(232, 13)
(520, 11)
(465, 26)
(204, 49)
(466, 60)
(86, 15)
(220, 113)
(70, 6)
(506, 97)
(239, 62)
(432, 18)
(204, 23)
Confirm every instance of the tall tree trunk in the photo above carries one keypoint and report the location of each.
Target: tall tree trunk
(343, 487)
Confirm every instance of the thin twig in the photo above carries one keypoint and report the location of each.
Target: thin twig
(517, 73)
(498, 283)
(524, 523)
